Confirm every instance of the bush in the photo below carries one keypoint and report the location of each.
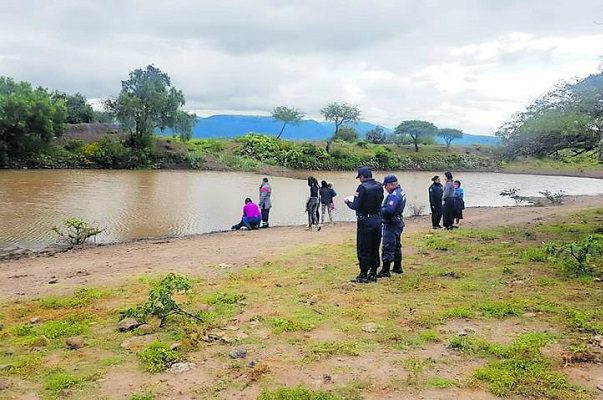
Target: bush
(554, 198)
(108, 153)
(76, 231)
(158, 357)
(582, 257)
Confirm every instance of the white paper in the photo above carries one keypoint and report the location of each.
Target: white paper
(349, 199)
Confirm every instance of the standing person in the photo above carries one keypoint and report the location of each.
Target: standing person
(435, 202)
(393, 225)
(265, 202)
(251, 216)
(326, 199)
(367, 203)
(448, 199)
(312, 203)
(459, 202)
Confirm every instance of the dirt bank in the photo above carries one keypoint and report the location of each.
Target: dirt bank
(212, 255)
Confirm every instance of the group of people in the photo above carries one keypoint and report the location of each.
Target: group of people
(323, 196)
(256, 215)
(447, 202)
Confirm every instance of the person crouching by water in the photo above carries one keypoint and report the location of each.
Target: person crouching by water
(312, 203)
(435, 202)
(459, 202)
(449, 202)
(265, 202)
(252, 217)
(367, 203)
(393, 225)
(327, 193)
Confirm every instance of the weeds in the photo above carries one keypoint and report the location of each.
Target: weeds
(280, 325)
(225, 298)
(296, 393)
(158, 357)
(500, 309)
(60, 380)
(81, 298)
(581, 257)
(331, 348)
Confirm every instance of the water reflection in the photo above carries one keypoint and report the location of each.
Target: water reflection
(137, 204)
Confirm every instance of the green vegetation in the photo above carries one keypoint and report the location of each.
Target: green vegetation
(299, 320)
(76, 231)
(158, 357)
(286, 115)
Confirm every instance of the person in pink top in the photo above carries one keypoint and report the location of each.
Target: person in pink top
(252, 216)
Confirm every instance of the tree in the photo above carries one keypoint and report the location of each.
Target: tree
(78, 110)
(29, 119)
(449, 135)
(147, 101)
(103, 117)
(346, 134)
(416, 130)
(184, 124)
(339, 113)
(376, 135)
(287, 116)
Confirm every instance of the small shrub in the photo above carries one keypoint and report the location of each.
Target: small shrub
(416, 210)
(534, 254)
(59, 381)
(280, 325)
(225, 298)
(76, 231)
(580, 257)
(160, 302)
(158, 357)
(513, 193)
(554, 198)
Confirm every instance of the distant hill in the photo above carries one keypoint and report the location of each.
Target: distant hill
(228, 126)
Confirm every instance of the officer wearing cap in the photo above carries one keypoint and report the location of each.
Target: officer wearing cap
(393, 225)
(367, 203)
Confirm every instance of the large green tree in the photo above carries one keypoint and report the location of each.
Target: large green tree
(78, 110)
(147, 101)
(568, 118)
(29, 119)
(339, 114)
(287, 115)
(449, 135)
(416, 131)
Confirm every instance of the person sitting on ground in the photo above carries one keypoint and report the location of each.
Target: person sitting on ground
(252, 216)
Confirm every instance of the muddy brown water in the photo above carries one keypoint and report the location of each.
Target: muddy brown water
(146, 204)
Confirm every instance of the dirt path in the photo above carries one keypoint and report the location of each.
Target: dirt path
(212, 255)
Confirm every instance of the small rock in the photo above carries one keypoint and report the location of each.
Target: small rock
(600, 386)
(370, 327)
(175, 346)
(327, 379)
(53, 280)
(3, 385)
(127, 324)
(223, 265)
(238, 353)
(313, 300)
(35, 320)
(251, 364)
(180, 367)
(529, 315)
(74, 342)
(145, 329)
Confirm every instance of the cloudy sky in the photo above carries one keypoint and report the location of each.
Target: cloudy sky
(467, 64)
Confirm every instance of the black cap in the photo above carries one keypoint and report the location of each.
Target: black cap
(390, 179)
(364, 172)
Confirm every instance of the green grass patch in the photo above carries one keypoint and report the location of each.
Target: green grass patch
(81, 298)
(225, 298)
(72, 326)
(57, 381)
(584, 321)
(296, 393)
(280, 325)
(442, 383)
(142, 396)
(158, 357)
(500, 309)
(331, 348)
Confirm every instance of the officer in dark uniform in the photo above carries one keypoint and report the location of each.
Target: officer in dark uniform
(367, 203)
(393, 225)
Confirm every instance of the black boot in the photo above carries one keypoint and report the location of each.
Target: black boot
(384, 273)
(362, 278)
(397, 267)
(372, 276)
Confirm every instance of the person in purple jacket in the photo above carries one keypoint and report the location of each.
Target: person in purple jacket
(252, 216)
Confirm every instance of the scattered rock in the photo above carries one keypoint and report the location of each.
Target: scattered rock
(327, 379)
(598, 339)
(219, 335)
(238, 353)
(529, 315)
(180, 367)
(3, 385)
(42, 341)
(145, 329)
(600, 386)
(74, 342)
(313, 300)
(251, 364)
(223, 265)
(175, 346)
(127, 324)
(53, 280)
(35, 320)
(370, 327)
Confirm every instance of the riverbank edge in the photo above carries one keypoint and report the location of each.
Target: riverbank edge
(52, 250)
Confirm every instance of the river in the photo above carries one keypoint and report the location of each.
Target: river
(147, 204)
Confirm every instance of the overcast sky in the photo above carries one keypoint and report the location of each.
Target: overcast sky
(467, 64)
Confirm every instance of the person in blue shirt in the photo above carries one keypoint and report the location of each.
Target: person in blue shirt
(459, 202)
(393, 225)
(367, 204)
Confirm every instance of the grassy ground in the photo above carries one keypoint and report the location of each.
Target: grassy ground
(479, 313)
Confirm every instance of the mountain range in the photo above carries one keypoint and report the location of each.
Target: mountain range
(228, 126)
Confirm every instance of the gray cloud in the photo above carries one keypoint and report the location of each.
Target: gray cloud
(466, 64)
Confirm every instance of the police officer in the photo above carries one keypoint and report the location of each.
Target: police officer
(393, 225)
(367, 203)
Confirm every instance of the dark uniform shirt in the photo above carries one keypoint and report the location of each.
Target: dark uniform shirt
(435, 194)
(393, 206)
(368, 198)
